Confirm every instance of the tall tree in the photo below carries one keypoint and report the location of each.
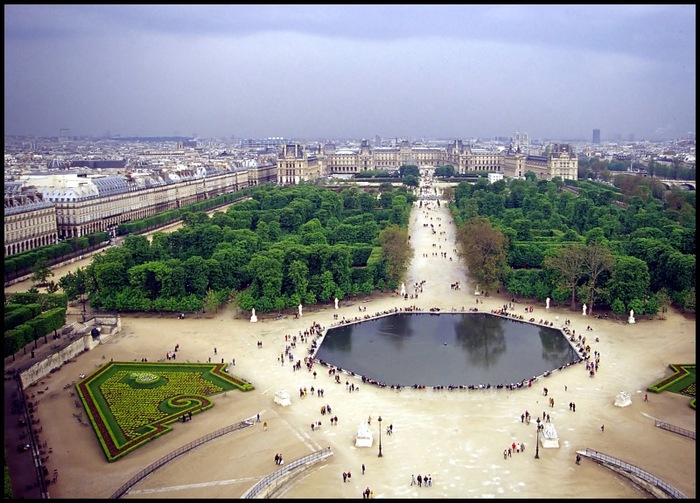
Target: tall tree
(629, 280)
(597, 259)
(396, 251)
(41, 271)
(568, 262)
(483, 248)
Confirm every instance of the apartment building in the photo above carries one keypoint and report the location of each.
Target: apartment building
(41, 209)
(30, 221)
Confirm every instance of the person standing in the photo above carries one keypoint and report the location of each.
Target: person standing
(602, 428)
(363, 468)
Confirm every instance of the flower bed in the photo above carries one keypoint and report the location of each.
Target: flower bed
(682, 381)
(130, 404)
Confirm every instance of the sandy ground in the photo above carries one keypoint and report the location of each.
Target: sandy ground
(457, 437)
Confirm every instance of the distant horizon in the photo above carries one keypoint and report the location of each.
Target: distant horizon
(329, 139)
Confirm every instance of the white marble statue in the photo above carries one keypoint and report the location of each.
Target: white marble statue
(549, 438)
(336, 302)
(300, 310)
(585, 308)
(623, 399)
(547, 302)
(631, 318)
(403, 289)
(253, 318)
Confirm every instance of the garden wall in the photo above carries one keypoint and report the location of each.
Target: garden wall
(79, 339)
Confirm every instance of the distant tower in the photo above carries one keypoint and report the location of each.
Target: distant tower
(521, 142)
(596, 136)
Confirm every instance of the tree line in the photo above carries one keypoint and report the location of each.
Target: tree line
(282, 247)
(616, 247)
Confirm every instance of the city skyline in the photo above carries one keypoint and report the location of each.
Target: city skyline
(351, 71)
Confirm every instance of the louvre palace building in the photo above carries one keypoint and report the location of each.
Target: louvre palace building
(297, 163)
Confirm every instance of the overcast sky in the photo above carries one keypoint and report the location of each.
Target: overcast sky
(351, 71)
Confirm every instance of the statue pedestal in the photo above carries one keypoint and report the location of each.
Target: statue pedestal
(253, 319)
(364, 436)
(631, 319)
(282, 398)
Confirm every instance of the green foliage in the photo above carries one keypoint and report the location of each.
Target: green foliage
(617, 307)
(409, 170)
(16, 314)
(629, 280)
(631, 219)
(637, 305)
(34, 328)
(444, 171)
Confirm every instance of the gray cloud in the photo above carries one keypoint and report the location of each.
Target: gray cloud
(351, 70)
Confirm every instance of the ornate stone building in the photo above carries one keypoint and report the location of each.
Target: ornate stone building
(559, 161)
(297, 163)
(30, 221)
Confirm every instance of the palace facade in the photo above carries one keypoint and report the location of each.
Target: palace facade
(298, 163)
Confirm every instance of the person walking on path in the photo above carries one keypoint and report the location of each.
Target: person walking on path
(578, 459)
(363, 468)
(413, 480)
(345, 477)
(602, 428)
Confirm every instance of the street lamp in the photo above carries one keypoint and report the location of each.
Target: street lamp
(380, 436)
(537, 441)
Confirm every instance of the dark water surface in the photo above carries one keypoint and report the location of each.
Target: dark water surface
(446, 349)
